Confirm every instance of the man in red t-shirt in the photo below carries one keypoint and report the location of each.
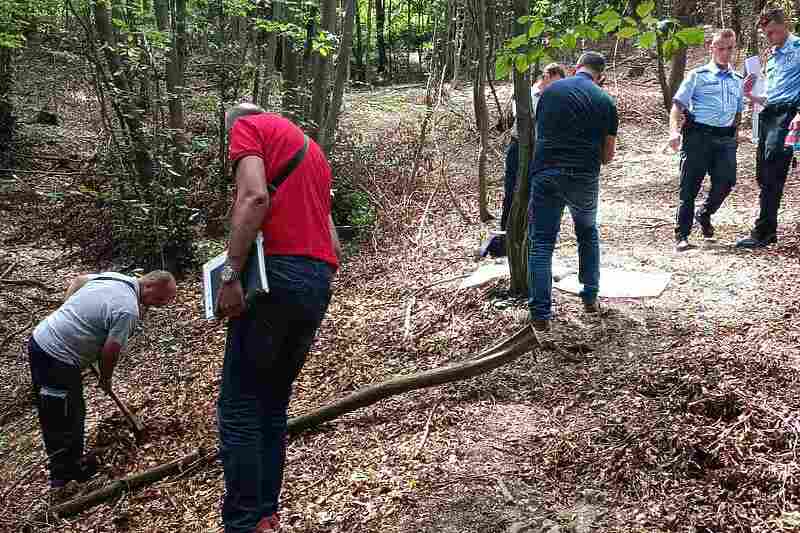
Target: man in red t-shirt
(268, 341)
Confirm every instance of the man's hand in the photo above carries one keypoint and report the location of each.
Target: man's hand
(747, 87)
(675, 141)
(230, 299)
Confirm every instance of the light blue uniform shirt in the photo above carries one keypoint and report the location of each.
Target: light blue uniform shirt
(712, 95)
(783, 72)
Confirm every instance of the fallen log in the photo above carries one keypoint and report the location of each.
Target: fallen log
(129, 483)
(501, 354)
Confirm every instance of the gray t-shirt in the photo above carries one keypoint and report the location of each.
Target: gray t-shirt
(100, 310)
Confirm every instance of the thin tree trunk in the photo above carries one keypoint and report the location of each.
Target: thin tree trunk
(481, 109)
(516, 228)
(359, 45)
(143, 160)
(368, 47)
(320, 88)
(7, 119)
(683, 10)
(380, 21)
(175, 83)
(459, 50)
(291, 104)
(327, 136)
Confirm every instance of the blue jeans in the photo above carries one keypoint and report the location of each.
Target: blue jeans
(551, 190)
(264, 353)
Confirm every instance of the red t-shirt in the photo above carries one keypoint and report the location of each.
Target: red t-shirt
(297, 220)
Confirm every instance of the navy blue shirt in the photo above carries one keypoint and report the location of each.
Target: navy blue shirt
(573, 118)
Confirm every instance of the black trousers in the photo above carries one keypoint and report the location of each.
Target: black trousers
(703, 153)
(62, 411)
(772, 166)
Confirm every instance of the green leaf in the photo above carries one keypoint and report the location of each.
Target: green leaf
(536, 28)
(647, 39)
(570, 40)
(502, 67)
(668, 48)
(606, 16)
(630, 21)
(645, 8)
(627, 32)
(692, 36)
(524, 19)
(521, 62)
(649, 21)
(518, 41)
(611, 25)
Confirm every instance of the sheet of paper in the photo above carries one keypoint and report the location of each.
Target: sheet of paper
(615, 283)
(752, 65)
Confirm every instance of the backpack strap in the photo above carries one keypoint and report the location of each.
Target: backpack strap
(109, 278)
(289, 168)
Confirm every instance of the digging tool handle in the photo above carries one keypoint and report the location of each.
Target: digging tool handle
(133, 419)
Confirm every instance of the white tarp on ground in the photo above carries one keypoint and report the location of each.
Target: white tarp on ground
(614, 283)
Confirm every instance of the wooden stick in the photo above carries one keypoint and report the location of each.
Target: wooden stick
(407, 325)
(126, 484)
(27, 283)
(135, 421)
(427, 431)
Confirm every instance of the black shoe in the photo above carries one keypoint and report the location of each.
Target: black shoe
(85, 471)
(542, 326)
(751, 243)
(682, 245)
(592, 308)
(705, 225)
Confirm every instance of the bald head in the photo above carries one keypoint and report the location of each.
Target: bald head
(240, 110)
(158, 288)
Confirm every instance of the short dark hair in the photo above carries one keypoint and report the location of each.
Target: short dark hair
(772, 13)
(555, 68)
(595, 61)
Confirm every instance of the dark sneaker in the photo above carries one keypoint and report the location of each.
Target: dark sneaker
(682, 245)
(86, 471)
(58, 483)
(542, 326)
(269, 524)
(751, 243)
(705, 225)
(592, 308)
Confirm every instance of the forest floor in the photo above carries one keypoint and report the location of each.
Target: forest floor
(677, 413)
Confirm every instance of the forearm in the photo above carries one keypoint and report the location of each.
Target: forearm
(108, 360)
(676, 119)
(337, 245)
(248, 215)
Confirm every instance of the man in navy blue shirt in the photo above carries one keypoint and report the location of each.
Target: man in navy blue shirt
(576, 125)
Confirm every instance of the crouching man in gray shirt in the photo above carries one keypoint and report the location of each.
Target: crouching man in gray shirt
(92, 326)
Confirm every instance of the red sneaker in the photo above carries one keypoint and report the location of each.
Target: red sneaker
(269, 524)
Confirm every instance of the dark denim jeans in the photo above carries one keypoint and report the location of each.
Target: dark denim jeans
(510, 182)
(772, 169)
(62, 411)
(264, 353)
(701, 154)
(551, 190)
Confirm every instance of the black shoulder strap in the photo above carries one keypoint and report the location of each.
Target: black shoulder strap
(108, 278)
(289, 168)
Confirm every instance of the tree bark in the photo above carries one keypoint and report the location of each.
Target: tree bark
(7, 119)
(683, 10)
(175, 83)
(291, 103)
(327, 135)
(458, 47)
(161, 8)
(131, 116)
(359, 50)
(320, 87)
(380, 21)
(481, 109)
(517, 226)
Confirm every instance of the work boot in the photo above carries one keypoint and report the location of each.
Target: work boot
(269, 524)
(751, 242)
(592, 308)
(682, 245)
(540, 325)
(705, 225)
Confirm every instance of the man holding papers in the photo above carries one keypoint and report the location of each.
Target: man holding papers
(780, 107)
(709, 104)
(283, 184)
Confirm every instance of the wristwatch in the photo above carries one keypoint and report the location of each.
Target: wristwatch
(228, 274)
